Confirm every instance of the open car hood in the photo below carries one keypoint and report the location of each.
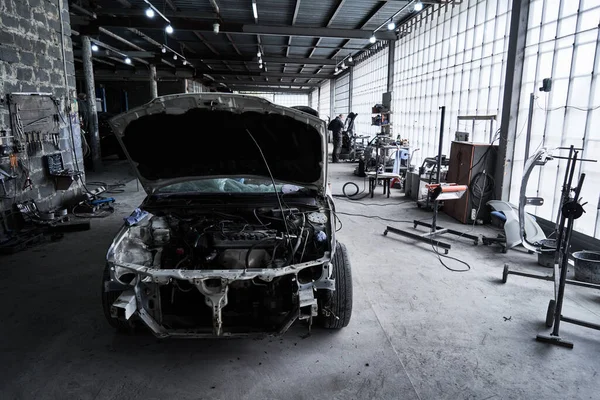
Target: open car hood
(192, 136)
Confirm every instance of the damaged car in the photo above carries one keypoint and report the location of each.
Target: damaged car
(236, 236)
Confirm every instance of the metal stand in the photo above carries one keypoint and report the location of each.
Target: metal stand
(570, 210)
(434, 229)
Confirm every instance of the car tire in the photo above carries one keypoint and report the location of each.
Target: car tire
(336, 305)
(108, 298)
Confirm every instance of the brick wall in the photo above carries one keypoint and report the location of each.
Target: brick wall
(31, 60)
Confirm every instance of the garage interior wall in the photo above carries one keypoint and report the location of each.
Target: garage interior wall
(32, 59)
(342, 95)
(454, 57)
(563, 42)
(314, 99)
(324, 101)
(368, 85)
(283, 99)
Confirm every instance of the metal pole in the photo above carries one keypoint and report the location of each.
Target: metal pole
(153, 83)
(441, 145)
(439, 167)
(510, 104)
(90, 87)
(529, 125)
(391, 62)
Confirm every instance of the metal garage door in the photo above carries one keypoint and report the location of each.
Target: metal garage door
(342, 95)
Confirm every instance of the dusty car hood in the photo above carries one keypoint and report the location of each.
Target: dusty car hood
(199, 135)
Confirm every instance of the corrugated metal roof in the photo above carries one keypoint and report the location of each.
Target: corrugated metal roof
(224, 50)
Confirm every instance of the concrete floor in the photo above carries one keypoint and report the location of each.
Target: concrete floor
(418, 330)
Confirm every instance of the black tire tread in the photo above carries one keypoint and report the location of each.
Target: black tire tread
(339, 301)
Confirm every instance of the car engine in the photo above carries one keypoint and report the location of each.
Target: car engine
(260, 238)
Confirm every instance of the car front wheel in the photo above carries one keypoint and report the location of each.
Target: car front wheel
(336, 305)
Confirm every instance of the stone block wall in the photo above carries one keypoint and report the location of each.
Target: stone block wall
(31, 60)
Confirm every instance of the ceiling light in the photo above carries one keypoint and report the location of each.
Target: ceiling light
(174, 56)
(350, 59)
(94, 47)
(372, 39)
(344, 65)
(127, 60)
(258, 54)
(216, 27)
(336, 70)
(163, 50)
(169, 29)
(184, 62)
(391, 26)
(418, 6)
(150, 12)
(260, 66)
(254, 10)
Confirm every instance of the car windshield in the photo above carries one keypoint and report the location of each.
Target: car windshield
(229, 185)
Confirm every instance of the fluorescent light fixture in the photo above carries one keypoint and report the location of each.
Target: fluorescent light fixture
(174, 56)
(254, 10)
(418, 6)
(163, 50)
(350, 59)
(391, 26)
(372, 39)
(94, 47)
(150, 12)
(169, 29)
(127, 60)
(216, 27)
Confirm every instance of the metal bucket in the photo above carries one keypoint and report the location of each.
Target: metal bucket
(548, 251)
(587, 266)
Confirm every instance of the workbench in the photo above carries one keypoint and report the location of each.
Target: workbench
(386, 177)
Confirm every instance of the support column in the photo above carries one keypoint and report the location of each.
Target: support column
(332, 99)
(90, 91)
(153, 82)
(512, 90)
(391, 61)
(350, 79)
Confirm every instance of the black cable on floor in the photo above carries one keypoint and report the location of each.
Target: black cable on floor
(342, 197)
(439, 256)
(356, 195)
(372, 217)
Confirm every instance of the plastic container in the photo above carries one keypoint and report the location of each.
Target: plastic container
(587, 266)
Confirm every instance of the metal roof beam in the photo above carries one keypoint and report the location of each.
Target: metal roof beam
(272, 60)
(182, 24)
(363, 23)
(140, 12)
(287, 51)
(269, 89)
(264, 83)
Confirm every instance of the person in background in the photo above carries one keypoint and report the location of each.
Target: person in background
(336, 126)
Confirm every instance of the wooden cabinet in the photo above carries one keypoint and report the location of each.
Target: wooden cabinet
(472, 164)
